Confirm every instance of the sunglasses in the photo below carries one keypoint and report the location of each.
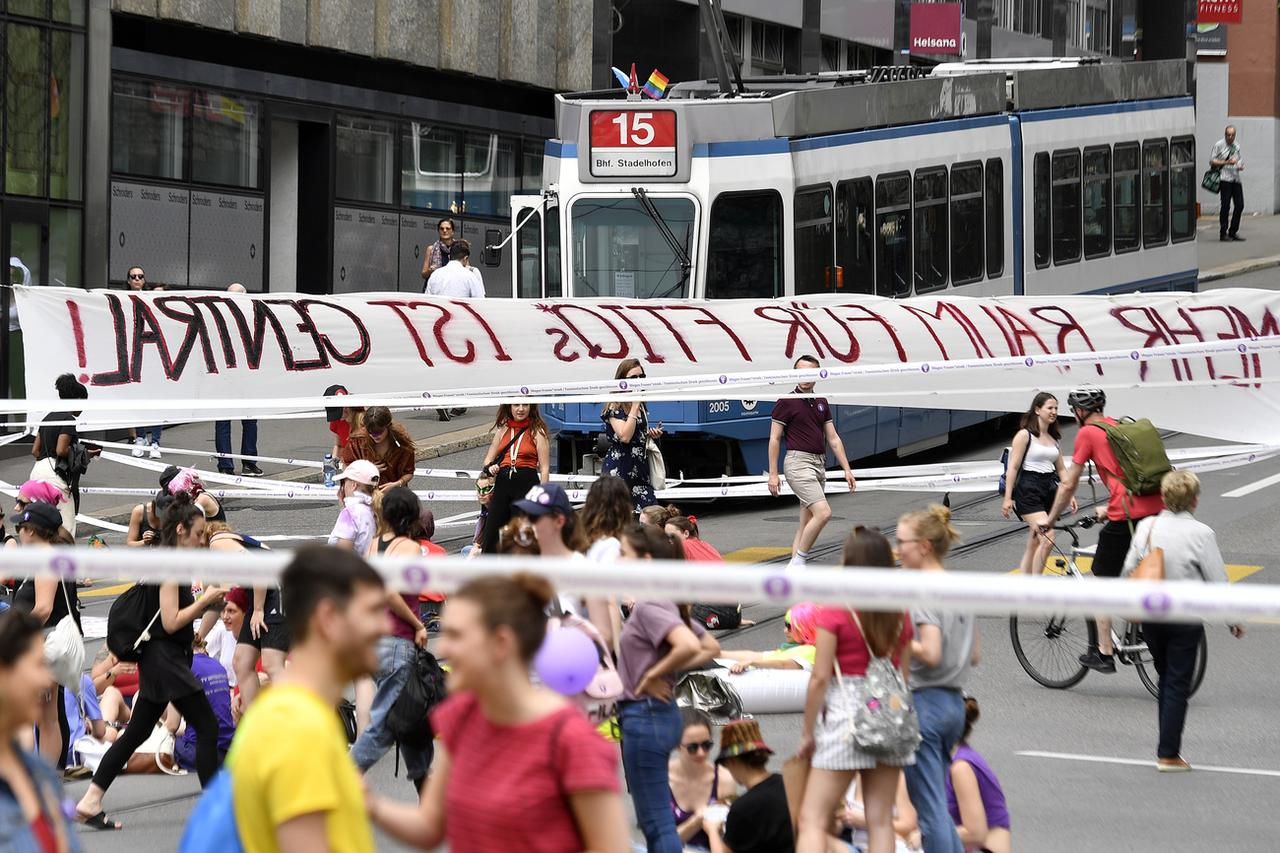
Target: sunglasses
(377, 436)
(637, 376)
(702, 746)
(484, 490)
(133, 275)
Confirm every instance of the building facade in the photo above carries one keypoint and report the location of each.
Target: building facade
(289, 145)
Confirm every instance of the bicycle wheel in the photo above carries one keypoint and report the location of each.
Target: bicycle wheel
(1146, 668)
(1049, 648)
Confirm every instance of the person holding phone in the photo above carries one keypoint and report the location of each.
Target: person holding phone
(626, 427)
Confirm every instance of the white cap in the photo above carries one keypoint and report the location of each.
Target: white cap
(362, 471)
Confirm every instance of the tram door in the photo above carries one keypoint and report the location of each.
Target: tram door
(537, 248)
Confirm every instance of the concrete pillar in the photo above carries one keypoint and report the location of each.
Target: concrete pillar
(97, 127)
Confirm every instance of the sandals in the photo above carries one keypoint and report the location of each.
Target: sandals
(98, 821)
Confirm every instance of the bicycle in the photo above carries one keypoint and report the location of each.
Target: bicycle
(1049, 647)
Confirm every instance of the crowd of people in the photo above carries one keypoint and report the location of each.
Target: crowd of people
(252, 679)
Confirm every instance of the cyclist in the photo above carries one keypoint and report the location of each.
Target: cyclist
(1122, 512)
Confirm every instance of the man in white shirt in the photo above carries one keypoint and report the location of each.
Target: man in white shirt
(1225, 157)
(457, 278)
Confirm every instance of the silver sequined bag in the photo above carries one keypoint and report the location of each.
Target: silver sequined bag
(884, 722)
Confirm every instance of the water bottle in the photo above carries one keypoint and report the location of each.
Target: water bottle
(330, 469)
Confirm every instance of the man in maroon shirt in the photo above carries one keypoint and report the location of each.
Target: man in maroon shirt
(804, 423)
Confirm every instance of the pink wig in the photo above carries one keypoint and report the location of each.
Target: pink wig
(39, 490)
(804, 628)
(186, 480)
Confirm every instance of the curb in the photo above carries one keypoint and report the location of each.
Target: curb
(445, 444)
(1241, 268)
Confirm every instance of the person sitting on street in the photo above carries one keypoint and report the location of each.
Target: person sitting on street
(798, 651)
(759, 821)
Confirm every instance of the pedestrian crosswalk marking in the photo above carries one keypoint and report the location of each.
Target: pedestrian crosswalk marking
(756, 555)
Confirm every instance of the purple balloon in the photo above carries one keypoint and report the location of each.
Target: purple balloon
(567, 661)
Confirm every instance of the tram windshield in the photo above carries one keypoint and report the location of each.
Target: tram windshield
(620, 250)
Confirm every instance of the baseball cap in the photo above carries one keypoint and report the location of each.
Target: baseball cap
(545, 498)
(40, 513)
(334, 413)
(362, 471)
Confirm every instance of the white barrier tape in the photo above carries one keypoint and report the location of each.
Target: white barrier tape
(207, 477)
(10, 439)
(206, 454)
(988, 593)
(679, 387)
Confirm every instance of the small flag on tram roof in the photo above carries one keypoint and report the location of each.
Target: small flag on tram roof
(657, 85)
(622, 77)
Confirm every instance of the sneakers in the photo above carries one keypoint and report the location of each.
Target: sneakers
(1235, 238)
(251, 470)
(139, 447)
(442, 414)
(155, 450)
(1099, 662)
(1172, 765)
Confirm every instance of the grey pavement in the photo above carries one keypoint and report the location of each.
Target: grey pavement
(1220, 262)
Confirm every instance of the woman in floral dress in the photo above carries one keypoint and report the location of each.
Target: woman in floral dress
(626, 423)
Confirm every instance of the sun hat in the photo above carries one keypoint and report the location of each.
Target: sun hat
(740, 737)
(362, 471)
(545, 498)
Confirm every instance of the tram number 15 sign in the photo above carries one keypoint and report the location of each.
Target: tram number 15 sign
(633, 142)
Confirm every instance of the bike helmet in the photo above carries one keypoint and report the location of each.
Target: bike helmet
(1089, 399)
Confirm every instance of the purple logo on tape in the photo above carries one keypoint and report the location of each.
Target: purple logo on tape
(622, 386)
(777, 587)
(524, 389)
(415, 576)
(1156, 602)
(1242, 348)
(1135, 355)
(924, 368)
(1030, 362)
(822, 374)
(723, 379)
(426, 394)
(64, 566)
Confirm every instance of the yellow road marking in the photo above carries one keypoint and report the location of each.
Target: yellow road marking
(104, 591)
(756, 555)
(1235, 571)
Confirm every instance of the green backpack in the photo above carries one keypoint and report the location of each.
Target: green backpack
(1140, 452)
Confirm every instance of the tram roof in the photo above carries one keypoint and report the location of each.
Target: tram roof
(798, 106)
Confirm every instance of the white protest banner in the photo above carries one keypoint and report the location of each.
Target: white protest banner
(195, 347)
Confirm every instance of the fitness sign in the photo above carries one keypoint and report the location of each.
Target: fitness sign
(633, 143)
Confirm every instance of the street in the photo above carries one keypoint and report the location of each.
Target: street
(1086, 797)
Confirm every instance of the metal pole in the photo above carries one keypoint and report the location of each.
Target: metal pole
(985, 14)
(902, 32)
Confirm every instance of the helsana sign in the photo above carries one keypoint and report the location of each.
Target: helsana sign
(935, 28)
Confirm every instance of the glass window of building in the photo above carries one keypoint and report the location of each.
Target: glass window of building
(489, 173)
(225, 141)
(966, 223)
(531, 151)
(855, 229)
(1066, 206)
(66, 115)
(893, 234)
(813, 247)
(29, 8)
(68, 11)
(429, 177)
(148, 128)
(619, 250)
(1127, 212)
(1040, 208)
(1182, 189)
(1155, 193)
(364, 159)
(26, 109)
(931, 229)
(744, 246)
(65, 247)
(1097, 202)
(995, 217)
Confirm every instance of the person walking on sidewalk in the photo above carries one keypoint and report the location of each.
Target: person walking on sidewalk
(248, 435)
(1225, 157)
(805, 425)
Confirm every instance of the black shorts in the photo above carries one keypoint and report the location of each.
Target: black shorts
(276, 636)
(1034, 492)
(1113, 547)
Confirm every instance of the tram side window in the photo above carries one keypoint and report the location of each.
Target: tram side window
(855, 225)
(1066, 206)
(529, 261)
(744, 246)
(966, 223)
(931, 229)
(1182, 189)
(995, 217)
(1155, 193)
(893, 234)
(814, 247)
(1128, 216)
(1097, 202)
(1040, 202)
(553, 253)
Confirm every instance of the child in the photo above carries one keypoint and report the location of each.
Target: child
(355, 526)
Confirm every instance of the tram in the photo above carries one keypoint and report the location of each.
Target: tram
(1037, 177)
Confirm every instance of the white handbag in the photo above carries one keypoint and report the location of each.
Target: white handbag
(64, 649)
(657, 465)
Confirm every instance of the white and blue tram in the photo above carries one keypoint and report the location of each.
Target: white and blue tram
(1035, 177)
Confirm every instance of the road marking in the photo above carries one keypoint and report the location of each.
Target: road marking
(1149, 763)
(756, 555)
(103, 592)
(1255, 486)
(1235, 571)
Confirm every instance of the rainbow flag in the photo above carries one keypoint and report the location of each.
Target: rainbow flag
(657, 85)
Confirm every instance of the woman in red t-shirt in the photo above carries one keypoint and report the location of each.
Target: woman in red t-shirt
(828, 716)
(517, 767)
